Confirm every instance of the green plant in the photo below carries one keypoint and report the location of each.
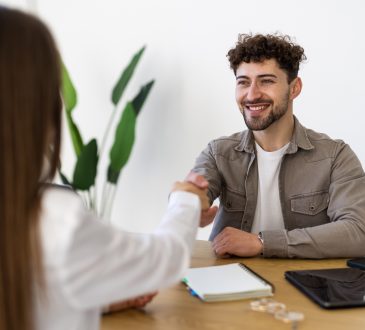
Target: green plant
(88, 155)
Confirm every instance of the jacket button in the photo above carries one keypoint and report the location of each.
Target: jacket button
(312, 207)
(229, 204)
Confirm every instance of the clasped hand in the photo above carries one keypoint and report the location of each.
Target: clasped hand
(198, 185)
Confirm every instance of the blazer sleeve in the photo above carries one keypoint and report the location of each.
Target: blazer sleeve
(101, 264)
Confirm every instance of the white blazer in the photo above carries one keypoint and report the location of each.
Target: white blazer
(89, 265)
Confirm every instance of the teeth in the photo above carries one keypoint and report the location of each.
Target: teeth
(257, 108)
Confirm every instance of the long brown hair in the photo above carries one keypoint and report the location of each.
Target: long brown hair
(30, 119)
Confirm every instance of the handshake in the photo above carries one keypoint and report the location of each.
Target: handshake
(196, 184)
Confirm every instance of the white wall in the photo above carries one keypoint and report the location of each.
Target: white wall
(193, 98)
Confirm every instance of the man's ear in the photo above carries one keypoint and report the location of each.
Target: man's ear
(295, 88)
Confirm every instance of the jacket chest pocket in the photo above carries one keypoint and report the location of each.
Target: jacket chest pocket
(233, 201)
(230, 213)
(309, 210)
(310, 204)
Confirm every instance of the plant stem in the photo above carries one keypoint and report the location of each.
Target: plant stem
(101, 152)
(84, 199)
(103, 200)
(107, 131)
(109, 191)
(94, 199)
(109, 203)
(91, 204)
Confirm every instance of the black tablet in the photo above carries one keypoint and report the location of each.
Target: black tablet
(356, 263)
(331, 288)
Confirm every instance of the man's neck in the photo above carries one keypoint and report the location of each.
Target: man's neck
(277, 134)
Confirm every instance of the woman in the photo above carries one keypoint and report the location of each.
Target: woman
(58, 264)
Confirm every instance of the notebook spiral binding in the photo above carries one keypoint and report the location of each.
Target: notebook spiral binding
(259, 277)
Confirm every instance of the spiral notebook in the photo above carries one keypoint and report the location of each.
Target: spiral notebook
(226, 282)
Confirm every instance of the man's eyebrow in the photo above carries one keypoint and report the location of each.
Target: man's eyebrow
(265, 75)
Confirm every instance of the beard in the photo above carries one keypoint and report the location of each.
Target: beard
(259, 124)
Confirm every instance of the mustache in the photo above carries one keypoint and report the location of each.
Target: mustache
(257, 101)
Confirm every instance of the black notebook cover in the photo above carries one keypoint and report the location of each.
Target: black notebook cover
(331, 288)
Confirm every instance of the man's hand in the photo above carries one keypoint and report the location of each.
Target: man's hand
(197, 180)
(131, 303)
(237, 242)
(208, 215)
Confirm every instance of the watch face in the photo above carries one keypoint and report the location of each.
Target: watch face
(260, 238)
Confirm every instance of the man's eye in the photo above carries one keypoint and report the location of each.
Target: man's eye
(244, 83)
(267, 81)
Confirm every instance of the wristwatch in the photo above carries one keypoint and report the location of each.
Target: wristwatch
(261, 238)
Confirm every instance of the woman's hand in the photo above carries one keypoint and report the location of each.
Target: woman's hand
(192, 188)
(138, 302)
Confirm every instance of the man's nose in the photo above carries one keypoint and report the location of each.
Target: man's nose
(253, 93)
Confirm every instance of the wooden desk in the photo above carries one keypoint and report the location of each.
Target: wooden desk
(175, 309)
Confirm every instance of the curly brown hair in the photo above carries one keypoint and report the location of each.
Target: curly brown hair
(259, 47)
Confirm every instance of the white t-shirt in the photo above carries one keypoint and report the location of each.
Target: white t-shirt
(89, 265)
(268, 215)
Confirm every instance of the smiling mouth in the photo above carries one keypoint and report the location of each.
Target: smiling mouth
(257, 107)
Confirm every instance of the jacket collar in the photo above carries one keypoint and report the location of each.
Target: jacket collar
(299, 140)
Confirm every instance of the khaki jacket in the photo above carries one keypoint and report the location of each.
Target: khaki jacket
(321, 187)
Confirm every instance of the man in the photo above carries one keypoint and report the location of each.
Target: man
(285, 191)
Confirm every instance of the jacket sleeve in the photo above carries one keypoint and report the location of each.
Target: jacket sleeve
(102, 264)
(206, 166)
(344, 236)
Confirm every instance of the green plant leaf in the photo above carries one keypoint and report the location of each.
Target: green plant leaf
(123, 142)
(139, 100)
(86, 167)
(125, 77)
(69, 94)
(69, 97)
(76, 138)
(112, 176)
(64, 179)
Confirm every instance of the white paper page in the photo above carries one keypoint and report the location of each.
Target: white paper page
(223, 280)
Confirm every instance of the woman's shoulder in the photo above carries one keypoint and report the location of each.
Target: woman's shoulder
(60, 201)
(62, 214)
(52, 189)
